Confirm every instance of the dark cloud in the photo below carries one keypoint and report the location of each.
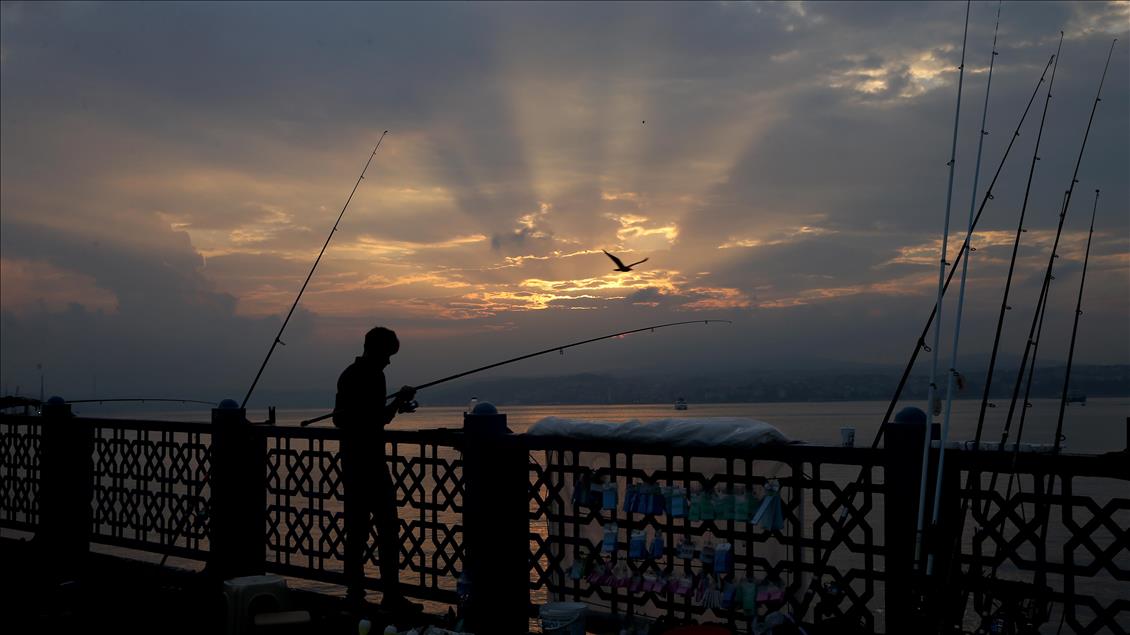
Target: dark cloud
(190, 159)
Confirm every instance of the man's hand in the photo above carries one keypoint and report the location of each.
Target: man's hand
(404, 399)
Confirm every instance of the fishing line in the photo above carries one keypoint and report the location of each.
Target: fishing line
(277, 339)
(552, 349)
(952, 374)
(938, 302)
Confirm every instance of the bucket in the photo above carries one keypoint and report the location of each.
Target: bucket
(563, 618)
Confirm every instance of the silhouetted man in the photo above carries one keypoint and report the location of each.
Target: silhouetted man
(361, 413)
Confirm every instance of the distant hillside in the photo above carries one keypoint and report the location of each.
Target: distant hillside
(865, 384)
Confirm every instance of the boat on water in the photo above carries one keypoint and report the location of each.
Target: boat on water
(680, 404)
(1078, 397)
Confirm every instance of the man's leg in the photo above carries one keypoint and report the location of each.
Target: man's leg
(356, 506)
(388, 542)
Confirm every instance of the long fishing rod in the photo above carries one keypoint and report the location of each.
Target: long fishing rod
(1051, 263)
(973, 479)
(552, 349)
(1045, 510)
(1012, 261)
(277, 339)
(952, 374)
(1074, 331)
(142, 399)
(942, 264)
(839, 533)
(920, 343)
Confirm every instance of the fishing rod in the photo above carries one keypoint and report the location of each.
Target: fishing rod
(552, 349)
(1012, 262)
(1045, 510)
(938, 302)
(952, 374)
(838, 531)
(920, 343)
(973, 479)
(1074, 331)
(277, 339)
(1037, 316)
(143, 399)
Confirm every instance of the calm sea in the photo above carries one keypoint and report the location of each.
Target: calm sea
(1098, 426)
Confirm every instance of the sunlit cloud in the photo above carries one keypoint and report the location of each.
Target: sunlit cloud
(781, 237)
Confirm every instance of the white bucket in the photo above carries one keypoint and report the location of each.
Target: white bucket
(563, 618)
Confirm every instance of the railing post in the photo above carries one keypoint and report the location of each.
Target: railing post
(238, 502)
(496, 524)
(902, 467)
(66, 489)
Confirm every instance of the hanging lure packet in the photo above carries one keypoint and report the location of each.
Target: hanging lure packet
(681, 585)
(636, 585)
(637, 544)
(621, 575)
(609, 495)
(706, 554)
(729, 595)
(658, 547)
(749, 595)
(581, 563)
(597, 573)
(723, 558)
(651, 582)
(675, 501)
(697, 502)
(653, 501)
(741, 504)
(686, 548)
(769, 513)
(724, 506)
(708, 497)
(631, 494)
(582, 487)
(608, 545)
(770, 593)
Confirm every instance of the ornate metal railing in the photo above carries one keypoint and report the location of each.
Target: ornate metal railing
(150, 485)
(1061, 557)
(305, 521)
(566, 533)
(151, 490)
(19, 472)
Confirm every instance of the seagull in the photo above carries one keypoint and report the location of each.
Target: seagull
(620, 266)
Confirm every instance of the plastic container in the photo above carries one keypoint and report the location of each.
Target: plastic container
(563, 618)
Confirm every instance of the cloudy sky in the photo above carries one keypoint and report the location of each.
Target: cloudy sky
(170, 171)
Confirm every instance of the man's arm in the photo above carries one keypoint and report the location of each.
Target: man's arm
(400, 403)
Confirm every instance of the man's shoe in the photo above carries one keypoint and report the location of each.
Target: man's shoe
(400, 604)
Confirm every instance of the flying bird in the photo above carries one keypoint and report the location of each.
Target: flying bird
(620, 266)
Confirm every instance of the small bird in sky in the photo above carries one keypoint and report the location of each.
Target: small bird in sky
(620, 266)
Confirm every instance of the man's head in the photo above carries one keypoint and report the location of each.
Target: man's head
(381, 344)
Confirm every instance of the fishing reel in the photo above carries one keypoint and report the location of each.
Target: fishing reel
(408, 406)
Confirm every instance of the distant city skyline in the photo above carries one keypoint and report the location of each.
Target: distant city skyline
(169, 171)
